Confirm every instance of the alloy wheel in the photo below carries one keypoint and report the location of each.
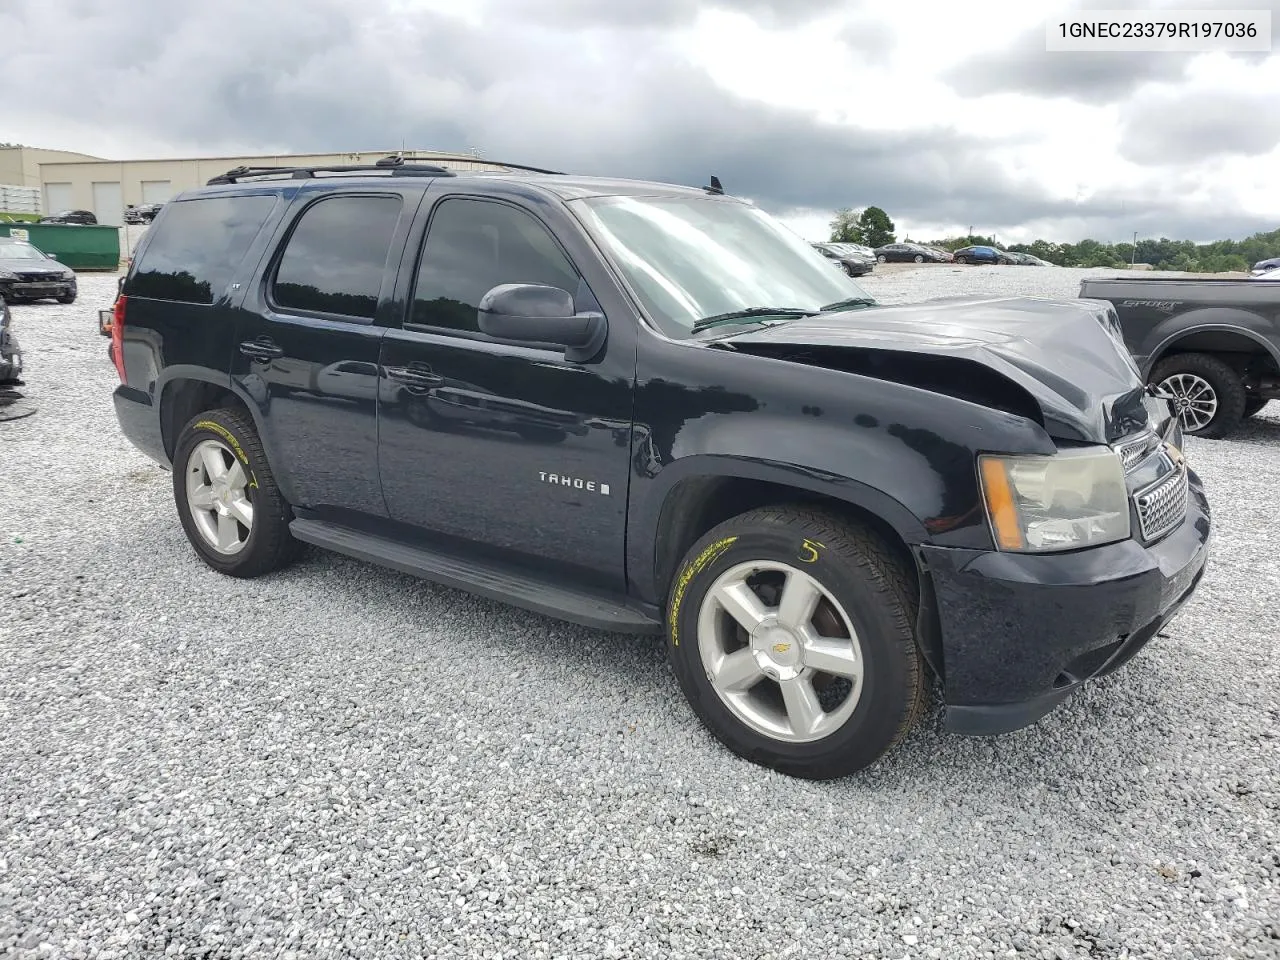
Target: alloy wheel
(780, 651)
(219, 497)
(1194, 399)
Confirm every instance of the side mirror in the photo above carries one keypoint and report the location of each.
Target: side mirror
(537, 313)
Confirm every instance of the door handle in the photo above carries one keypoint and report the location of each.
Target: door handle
(415, 377)
(261, 349)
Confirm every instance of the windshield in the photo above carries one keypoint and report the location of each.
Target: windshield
(689, 258)
(17, 250)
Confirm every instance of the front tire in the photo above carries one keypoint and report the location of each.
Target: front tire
(962, 259)
(67, 298)
(230, 507)
(1209, 396)
(828, 677)
(882, 258)
(1254, 406)
(919, 259)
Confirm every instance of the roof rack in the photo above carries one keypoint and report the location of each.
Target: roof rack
(395, 165)
(519, 166)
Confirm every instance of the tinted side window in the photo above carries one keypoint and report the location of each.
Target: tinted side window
(474, 245)
(334, 260)
(197, 246)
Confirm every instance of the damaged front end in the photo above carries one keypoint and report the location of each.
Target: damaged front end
(1094, 545)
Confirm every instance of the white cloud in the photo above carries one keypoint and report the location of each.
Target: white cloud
(946, 115)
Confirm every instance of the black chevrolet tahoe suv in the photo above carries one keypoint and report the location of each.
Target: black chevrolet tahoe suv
(650, 408)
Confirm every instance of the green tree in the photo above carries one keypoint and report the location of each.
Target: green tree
(844, 228)
(876, 227)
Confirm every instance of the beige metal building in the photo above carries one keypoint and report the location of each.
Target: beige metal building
(73, 181)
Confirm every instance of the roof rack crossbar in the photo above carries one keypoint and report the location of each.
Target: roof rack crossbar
(303, 173)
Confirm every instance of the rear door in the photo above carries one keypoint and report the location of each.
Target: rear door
(308, 333)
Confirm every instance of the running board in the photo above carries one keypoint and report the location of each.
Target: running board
(499, 583)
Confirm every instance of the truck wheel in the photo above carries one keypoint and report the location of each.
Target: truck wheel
(1253, 405)
(1207, 394)
(790, 632)
(228, 501)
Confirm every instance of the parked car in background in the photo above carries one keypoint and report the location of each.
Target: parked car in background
(1262, 266)
(847, 255)
(982, 254)
(908, 253)
(1026, 260)
(28, 273)
(142, 213)
(1272, 274)
(1211, 346)
(71, 216)
(944, 256)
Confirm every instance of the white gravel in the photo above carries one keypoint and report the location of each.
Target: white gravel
(341, 761)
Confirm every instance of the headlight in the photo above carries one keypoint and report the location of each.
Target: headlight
(1076, 498)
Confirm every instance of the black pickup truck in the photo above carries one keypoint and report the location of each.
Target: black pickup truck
(651, 408)
(1212, 346)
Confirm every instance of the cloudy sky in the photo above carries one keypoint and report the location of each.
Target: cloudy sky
(947, 113)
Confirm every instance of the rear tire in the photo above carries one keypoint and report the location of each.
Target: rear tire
(779, 697)
(1210, 389)
(221, 479)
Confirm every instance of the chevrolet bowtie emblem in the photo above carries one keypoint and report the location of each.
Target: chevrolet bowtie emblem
(781, 647)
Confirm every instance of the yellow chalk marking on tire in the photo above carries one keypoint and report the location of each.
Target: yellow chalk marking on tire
(810, 551)
(693, 569)
(225, 434)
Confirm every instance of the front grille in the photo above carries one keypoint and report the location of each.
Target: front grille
(1136, 449)
(29, 277)
(1162, 505)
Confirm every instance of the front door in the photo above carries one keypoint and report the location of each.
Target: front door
(307, 340)
(511, 448)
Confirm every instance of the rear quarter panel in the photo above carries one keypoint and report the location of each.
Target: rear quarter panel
(1154, 315)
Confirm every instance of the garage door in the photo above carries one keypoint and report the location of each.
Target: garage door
(57, 197)
(156, 191)
(108, 205)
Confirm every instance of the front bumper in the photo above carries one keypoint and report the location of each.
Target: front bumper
(40, 290)
(1020, 633)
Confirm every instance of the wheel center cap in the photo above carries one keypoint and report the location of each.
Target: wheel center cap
(777, 651)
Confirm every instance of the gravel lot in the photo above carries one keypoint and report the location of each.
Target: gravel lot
(341, 761)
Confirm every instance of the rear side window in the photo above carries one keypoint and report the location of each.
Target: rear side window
(197, 246)
(334, 260)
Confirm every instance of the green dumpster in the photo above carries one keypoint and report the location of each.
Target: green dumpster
(79, 246)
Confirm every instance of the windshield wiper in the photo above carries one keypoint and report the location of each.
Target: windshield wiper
(750, 313)
(849, 304)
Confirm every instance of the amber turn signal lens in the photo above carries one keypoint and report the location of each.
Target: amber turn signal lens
(1000, 507)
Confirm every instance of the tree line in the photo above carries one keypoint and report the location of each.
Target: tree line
(873, 228)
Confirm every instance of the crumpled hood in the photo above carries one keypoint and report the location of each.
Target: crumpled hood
(1067, 354)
